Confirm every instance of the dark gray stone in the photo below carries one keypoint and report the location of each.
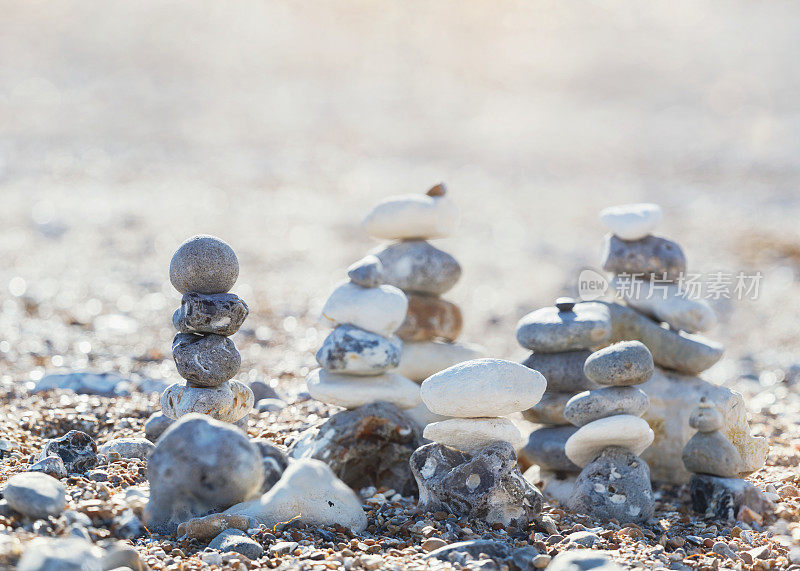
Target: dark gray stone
(199, 466)
(487, 485)
(416, 266)
(615, 485)
(649, 258)
(204, 264)
(274, 461)
(352, 350)
(545, 448)
(367, 272)
(155, 425)
(218, 313)
(583, 560)
(722, 498)
(52, 466)
(585, 407)
(563, 371)
(549, 410)
(548, 330)
(262, 390)
(621, 364)
(205, 360)
(368, 446)
(76, 449)
(712, 453)
(35, 495)
(237, 541)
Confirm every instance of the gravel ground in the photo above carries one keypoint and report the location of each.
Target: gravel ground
(128, 127)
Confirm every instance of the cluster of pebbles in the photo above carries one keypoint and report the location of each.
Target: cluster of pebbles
(204, 269)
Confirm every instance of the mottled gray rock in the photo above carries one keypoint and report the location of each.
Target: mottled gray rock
(52, 466)
(563, 371)
(464, 550)
(682, 352)
(548, 330)
(61, 554)
(199, 466)
(616, 485)
(549, 410)
(238, 542)
(127, 447)
(155, 425)
(35, 495)
(712, 453)
(205, 360)
(487, 485)
(355, 351)
(204, 264)
(273, 460)
(722, 498)
(545, 448)
(86, 383)
(76, 449)
(588, 406)
(367, 446)
(583, 560)
(218, 313)
(649, 258)
(622, 364)
(366, 272)
(416, 266)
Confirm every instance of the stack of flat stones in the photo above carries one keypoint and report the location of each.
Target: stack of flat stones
(204, 269)
(424, 273)
(648, 268)
(560, 337)
(614, 482)
(470, 469)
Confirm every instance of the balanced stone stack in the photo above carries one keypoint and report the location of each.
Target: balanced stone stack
(614, 482)
(470, 469)
(204, 269)
(560, 337)
(424, 273)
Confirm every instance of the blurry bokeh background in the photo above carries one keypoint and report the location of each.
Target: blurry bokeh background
(126, 127)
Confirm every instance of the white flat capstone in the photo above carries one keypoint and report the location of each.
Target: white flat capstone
(624, 430)
(421, 359)
(412, 216)
(483, 387)
(631, 221)
(379, 309)
(353, 391)
(472, 434)
(666, 303)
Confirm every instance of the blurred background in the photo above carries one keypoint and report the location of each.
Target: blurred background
(126, 127)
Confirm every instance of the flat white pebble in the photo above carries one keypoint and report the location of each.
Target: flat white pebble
(472, 434)
(632, 221)
(412, 216)
(623, 431)
(352, 391)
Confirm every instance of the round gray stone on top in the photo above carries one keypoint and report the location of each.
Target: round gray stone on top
(621, 364)
(563, 371)
(549, 330)
(648, 258)
(588, 406)
(35, 495)
(205, 264)
(416, 266)
(706, 419)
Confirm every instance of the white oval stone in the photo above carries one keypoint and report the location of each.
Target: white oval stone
(631, 221)
(483, 387)
(381, 309)
(666, 303)
(351, 391)
(422, 359)
(228, 402)
(624, 430)
(472, 434)
(412, 216)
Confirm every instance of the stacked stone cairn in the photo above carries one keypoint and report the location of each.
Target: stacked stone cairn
(424, 273)
(560, 337)
(470, 469)
(614, 482)
(715, 488)
(204, 269)
(651, 307)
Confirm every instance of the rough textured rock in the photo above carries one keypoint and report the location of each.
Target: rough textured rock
(237, 541)
(429, 318)
(355, 351)
(487, 485)
(35, 495)
(673, 397)
(155, 425)
(218, 313)
(563, 371)
(199, 466)
(204, 264)
(622, 364)
(549, 410)
(205, 360)
(421, 360)
(545, 448)
(473, 434)
(589, 406)
(273, 460)
(648, 257)
(722, 498)
(379, 309)
(52, 466)
(616, 485)
(368, 446)
(310, 493)
(231, 401)
(76, 449)
(417, 266)
(366, 272)
(631, 221)
(210, 526)
(127, 447)
(353, 391)
(623, 430)
(549, 330)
